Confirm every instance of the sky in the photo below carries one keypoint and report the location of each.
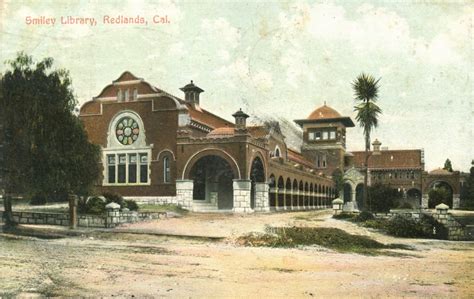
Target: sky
(271, 58)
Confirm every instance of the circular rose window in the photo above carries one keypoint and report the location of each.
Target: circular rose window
(127, 131)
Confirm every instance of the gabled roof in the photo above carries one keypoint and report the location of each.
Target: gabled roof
(207, 118)
(295, 156)
(258, 131)
(390, 159)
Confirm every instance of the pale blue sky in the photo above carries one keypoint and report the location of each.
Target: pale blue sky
(282, 59)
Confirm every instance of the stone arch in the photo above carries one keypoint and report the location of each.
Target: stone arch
(211, 152)
(261, 157)
(272, 197)
(162, 152)
(256, 175)
(359, 195)
(213, 181)
(444, 185)
(347, 192)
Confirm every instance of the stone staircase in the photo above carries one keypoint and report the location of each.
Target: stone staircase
(204, 207)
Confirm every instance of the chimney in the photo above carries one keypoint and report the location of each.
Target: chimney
(376, 147)
(191, 94)
(240, 120)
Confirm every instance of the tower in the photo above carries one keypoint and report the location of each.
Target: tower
(324, 138)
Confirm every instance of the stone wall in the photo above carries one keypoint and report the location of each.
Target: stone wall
(97, 221)
(184, 193)
(153, 200)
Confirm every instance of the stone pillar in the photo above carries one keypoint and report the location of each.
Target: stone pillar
(424, 201)
(337, 206)
(242, 189)
(72, 211)
(353, 196)
(184, 193)
(261, 197)
(456, 201)
(112, 214)
(442, 213)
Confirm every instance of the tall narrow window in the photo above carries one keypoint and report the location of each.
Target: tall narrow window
(119, 95)
(332, 135)
(277, 152)
(126, 93)
(122, 161)
(132, 168)
(166, 169)
(135, 94)
(111, 169)
(324, 162)
(311, 135)
(143, 168)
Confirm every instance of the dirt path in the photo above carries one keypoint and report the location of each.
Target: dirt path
(144, 265)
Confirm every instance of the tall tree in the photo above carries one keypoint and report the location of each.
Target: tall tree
(366, 90)
(48, 153)
(448, 166)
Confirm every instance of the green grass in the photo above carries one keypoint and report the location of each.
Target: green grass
(162, 208)
(332, 238)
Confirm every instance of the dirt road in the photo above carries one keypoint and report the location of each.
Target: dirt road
(125, 264)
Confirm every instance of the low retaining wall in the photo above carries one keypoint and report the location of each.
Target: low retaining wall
(109, 219)
(153, 200)
(456, 230)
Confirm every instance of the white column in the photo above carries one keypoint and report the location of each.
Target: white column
(456, 201)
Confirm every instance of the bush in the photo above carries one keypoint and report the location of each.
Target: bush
(38, 199)
(114, 197)
(364, 216)
(344, 216)
(131, 205)
(405, 205)
(432, 228)
(405, 227)
(95, 205)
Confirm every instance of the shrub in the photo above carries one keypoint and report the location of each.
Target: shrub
(95, 205)
(38, 199)
(131, 205)
(364, 216)
(344, 216)
(405, 227)
(405, 205)
(432, 228)
(114, 197)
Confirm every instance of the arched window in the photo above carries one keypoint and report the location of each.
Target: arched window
(166, 170)
(277, 151)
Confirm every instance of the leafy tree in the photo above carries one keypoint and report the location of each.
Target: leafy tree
(366, 90)
(467, 192)
(338, 179)
(48, 152)
(439, 195)
(383, 197)
(448, 166)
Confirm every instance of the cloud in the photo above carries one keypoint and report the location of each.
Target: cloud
(222, 31)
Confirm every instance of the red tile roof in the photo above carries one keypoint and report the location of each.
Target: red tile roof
(390, 159)
(295, 156)
(324, 112)
(207, 118)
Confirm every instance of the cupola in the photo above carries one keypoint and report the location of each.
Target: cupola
(191, 94)
(240, 119)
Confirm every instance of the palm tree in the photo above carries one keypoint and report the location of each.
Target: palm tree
(366, 90)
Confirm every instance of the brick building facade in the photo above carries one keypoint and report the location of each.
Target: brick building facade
(159, 148)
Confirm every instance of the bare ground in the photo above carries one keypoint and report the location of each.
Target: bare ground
(137, 262)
